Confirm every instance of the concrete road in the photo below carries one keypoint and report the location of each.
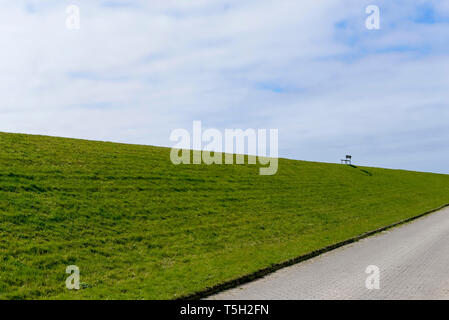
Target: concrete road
(413, 263)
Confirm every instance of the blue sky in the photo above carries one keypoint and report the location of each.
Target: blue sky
(136, 70)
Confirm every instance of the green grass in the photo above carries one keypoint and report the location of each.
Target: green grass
(139, 227)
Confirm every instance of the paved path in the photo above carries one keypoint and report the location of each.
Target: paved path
(413, 260)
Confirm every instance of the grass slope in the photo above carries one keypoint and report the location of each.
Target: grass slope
(139, 227)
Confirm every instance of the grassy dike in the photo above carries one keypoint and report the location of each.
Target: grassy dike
(139, 227)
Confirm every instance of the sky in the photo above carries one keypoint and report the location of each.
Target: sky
(137, 70)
